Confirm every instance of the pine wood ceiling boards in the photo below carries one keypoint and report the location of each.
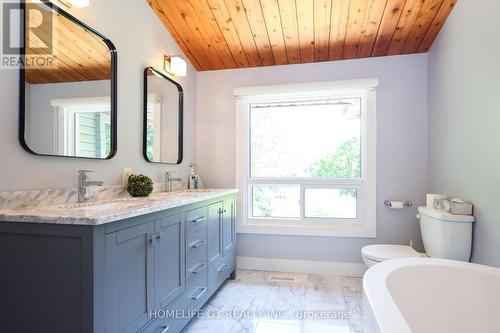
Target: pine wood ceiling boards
(223, 34)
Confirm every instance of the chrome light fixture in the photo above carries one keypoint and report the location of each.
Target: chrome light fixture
(73, 3)
(80, 3)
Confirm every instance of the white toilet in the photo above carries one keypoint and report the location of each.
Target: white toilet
(445, 236)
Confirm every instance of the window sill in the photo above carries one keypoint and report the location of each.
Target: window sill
(316, 229)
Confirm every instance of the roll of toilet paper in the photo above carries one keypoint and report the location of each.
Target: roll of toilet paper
(432, 197)
(396, 205)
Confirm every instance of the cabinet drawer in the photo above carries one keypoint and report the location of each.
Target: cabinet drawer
(196, 219)
(220, 272)
(196, 280)
(196, 243)
(197, 296)
(196, 271)
(218, 275)
(169, 319)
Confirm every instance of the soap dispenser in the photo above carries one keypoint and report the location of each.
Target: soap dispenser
(194, 177)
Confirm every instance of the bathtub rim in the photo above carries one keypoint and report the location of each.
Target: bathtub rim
(382, 306)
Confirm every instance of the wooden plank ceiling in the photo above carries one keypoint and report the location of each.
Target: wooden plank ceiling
(78, 54)
(222, 34)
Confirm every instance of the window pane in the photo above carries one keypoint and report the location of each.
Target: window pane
(93, 134)
(330, 203)
(276, 201)
(306, 140)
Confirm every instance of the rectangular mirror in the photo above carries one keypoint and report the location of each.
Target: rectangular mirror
(163, 125)
(68, 86)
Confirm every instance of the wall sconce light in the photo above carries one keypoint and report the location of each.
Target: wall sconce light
(175, 65)
(75, 3)
(80, 3)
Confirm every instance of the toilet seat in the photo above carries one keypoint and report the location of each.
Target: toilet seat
(381, 252)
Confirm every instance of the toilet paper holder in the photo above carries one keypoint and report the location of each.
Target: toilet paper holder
(406, 203)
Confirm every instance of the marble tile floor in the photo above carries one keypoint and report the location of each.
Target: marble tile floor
(267, 302)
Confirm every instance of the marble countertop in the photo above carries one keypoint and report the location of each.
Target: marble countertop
(106, 211)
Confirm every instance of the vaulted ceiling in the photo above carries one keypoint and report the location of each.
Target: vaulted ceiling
(221, 34)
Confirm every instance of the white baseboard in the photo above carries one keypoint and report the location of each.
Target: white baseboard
(301, 266)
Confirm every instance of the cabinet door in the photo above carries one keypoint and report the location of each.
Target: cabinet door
(214, 241)
(169, 260)
(228, 225)
(129, 278)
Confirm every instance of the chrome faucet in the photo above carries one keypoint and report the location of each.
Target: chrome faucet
(169, 181)
(84, 183)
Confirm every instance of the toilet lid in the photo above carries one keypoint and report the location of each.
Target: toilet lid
(385, 252)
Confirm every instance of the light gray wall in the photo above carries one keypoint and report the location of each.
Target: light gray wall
(141, 40)
(464, 118)
(402, 147)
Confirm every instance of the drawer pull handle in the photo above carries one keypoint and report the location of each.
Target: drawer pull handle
(198, 268)
(196, 244)
(198, 219)
(201, 292)
(164, 329)
(222, 268)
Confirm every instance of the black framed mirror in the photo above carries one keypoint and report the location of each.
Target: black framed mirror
(68, 85)
(163, 118)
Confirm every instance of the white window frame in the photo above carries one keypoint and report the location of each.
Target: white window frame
(154, 106)
(365, 224)
(66, 122)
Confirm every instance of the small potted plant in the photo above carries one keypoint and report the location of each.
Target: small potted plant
(139, 186)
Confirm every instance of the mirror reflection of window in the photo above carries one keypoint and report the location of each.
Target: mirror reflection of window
(82, 127)
(153, 135)
(163, 119)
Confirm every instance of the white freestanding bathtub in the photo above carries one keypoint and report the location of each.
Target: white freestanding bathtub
(425, 295)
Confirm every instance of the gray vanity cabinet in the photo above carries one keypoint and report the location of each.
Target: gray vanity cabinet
(145, 270)
(129, 278)
(110, 278)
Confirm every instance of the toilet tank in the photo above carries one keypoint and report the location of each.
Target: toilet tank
(445, 235)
